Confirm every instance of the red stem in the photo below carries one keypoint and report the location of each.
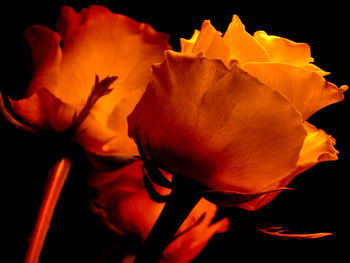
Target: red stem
(57, 177)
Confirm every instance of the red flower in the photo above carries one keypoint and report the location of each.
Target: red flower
(230, 112)
(93, 42)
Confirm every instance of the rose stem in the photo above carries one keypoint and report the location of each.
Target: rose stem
(57, 177)
(184, 196)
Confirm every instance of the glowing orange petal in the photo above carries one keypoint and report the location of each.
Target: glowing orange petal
(218, 126)
(317, 147)
(208, 41)
(46, 57)
(97, 42)
(119, 143)
(108, 44)
(43, 110)
(92, 135)
(244, 47)
(118, 123)
(307, 90)
(286, 51)
(188, 44)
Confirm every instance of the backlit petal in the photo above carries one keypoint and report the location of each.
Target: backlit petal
(43, 110)
(92, 135)
(46, 57)
(188, 44)
(96, 42)
(317, 147)
(208, 41)
(226, 130)
(244, 47)
(287, 51)
(307, 90)
(106, 44)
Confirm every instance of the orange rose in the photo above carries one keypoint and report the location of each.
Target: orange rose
(126, 208)
(230, 113)
(92, 54)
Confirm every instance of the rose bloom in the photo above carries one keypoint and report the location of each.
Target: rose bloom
(124, 205)
(230, 112)
(93, 42)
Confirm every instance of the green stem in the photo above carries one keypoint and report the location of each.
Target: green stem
(183, 198)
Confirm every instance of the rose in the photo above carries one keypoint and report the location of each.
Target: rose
(124, 205)
(88, 76)
(230, 113)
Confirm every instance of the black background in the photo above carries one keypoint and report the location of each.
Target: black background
(319, 203)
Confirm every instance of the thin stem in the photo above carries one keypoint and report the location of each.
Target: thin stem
(183, 198)
(57, 177)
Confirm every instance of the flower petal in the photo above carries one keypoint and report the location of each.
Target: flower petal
(307, 90)
(46, 56)
(69, 20)
(8, 115)
(98, 42)
(92, 135)
(107, 44)
(317, 147)
(244, 47)
(126, 207)
(193, 241)
(209, 41)
(188, 44)
(282, 233)
(215, 125)
(43, 110)
(286, 51)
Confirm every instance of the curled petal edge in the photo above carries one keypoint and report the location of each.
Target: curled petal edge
(11, 119)
(233, 198)
(281, 233)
